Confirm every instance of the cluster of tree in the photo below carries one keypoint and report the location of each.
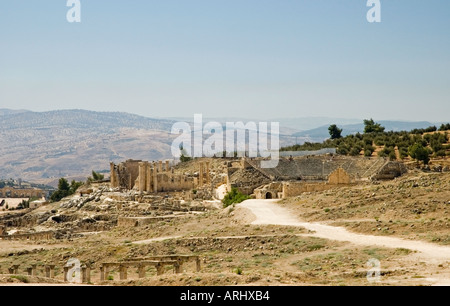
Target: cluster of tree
(65, 189)
(234, 197)
(445, 127)
(7, 183)
(417, 143)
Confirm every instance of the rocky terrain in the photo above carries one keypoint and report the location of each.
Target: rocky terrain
(233, 250)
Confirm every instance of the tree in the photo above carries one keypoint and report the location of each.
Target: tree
(335, 132)
(184, 157)
(64, 189)
(445, 127)
(96, 177)
(371, 127)
(74, 186)
(420, 153)
(63, 185)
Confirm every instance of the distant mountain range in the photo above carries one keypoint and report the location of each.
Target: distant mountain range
(43, 146)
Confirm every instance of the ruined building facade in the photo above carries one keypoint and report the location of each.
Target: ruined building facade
(153, 177)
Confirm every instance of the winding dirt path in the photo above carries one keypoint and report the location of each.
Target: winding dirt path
(268, 212)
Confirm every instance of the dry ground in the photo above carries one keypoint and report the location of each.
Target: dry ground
(235, 251)
(415, 206)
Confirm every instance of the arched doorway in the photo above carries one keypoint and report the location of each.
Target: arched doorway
(268, 195)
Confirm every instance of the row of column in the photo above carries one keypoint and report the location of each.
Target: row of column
(123, 269)
(148, 175)
(32, 271)
(33, 236)
(104, 270)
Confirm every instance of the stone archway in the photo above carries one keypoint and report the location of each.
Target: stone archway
(268, 195)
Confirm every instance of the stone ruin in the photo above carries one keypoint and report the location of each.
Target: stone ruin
(158, 262)
(294, 176)
(156, 177)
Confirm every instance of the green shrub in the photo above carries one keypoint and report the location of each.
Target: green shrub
(234, 197)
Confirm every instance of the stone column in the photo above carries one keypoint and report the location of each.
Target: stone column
(33, 270)
(141, 271)
(112, 174)
(11, 270)
(123, 272)
(106, 272)
(155, 178)
(86, 274)
(50, 271)
(179, 267)
(159, 269)
(102, 273)
(200, 176)
(142, 177)
(198, 264)
(148, 186)
(66, 271)
(208, 178)
(16, 269)
(167, 166)
(160, 164)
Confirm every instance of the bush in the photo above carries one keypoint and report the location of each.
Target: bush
(440, 153)
(368, 150)
(238, 271)
(355, 151)
(403, 152)
(392, 156)
(420, 153)
(234, 197)
(96, 177)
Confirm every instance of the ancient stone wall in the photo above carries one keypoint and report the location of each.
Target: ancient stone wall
(292, 189)
(9, 192)
(155, 177)
(339, 176)
(270, 191)
(124, 174)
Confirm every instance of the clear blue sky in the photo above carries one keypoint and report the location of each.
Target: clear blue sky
(248, 58)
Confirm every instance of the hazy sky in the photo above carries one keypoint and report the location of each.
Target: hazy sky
(248, 58)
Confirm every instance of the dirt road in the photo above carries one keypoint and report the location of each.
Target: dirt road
(268, 212)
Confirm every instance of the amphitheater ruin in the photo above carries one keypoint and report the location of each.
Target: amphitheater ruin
(294, 176)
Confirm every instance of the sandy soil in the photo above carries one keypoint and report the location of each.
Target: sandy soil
(268, 212)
